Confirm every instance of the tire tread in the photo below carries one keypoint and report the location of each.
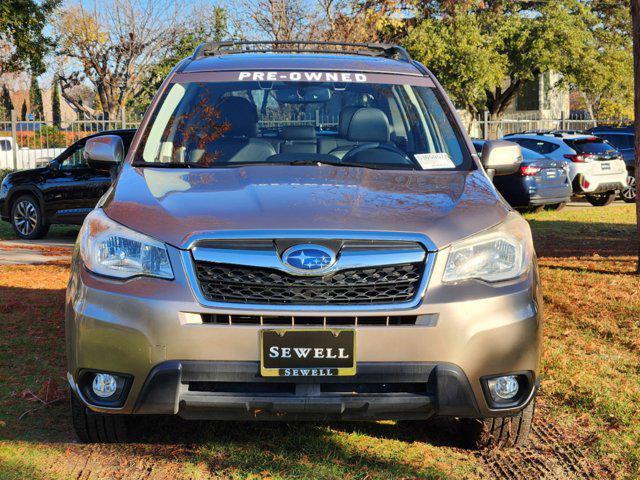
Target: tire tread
(92, 427)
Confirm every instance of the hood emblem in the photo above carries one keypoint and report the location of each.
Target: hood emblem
(308, 258)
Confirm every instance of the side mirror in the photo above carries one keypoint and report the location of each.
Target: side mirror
(501, 157)
(104, 152)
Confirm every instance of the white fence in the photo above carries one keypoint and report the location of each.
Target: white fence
(32, 143)
(490, 129)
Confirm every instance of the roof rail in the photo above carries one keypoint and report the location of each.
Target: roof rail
(301, 46)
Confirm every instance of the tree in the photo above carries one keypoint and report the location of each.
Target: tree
(521, 39)
(278, 19)
(461, 56)
(213, 27)
(635, 15)
(35, 98)
(23, 111)
(7, 104)
(113, 46)
(322, 20)
(56, 115)
(602, 72)
(23, 42)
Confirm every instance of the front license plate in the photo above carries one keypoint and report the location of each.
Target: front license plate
(605, 166)
(307, 353)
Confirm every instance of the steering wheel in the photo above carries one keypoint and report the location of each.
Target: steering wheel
(382, 146)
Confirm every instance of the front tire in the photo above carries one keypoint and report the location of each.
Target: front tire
(504, 432)
(601, 199)
(27, 219)
(555, 206)
(629, 194)
(91, 427)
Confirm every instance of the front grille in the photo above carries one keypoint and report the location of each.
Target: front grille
(362, 286)
(392, 320)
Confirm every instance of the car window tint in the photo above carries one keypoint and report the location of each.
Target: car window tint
(593, 146)
(621, 142)
(538, 146)
(75, 160)
(5, 146)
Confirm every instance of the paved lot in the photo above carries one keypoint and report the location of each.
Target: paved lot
(36, 251)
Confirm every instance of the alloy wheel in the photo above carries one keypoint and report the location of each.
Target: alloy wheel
(25, 217)
(629, 193)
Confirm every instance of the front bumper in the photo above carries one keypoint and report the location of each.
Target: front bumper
(145, 328)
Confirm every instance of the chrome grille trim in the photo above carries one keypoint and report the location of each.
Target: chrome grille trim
(427, 252)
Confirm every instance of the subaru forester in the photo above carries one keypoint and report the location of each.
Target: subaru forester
(303, 231)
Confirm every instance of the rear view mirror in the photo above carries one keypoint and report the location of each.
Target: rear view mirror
(501, 157)
(303, 95)
(104, 152)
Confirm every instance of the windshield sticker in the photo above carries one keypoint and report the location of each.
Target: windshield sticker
(434, 160)
(344, 77)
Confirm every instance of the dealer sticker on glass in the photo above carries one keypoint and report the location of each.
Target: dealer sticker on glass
(430, 161)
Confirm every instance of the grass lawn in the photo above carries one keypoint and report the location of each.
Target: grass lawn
(56, 231)
(588, 423)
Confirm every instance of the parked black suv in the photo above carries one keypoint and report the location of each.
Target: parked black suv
(64, 191)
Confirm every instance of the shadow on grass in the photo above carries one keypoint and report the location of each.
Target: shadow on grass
(563, 239)
(302, 449)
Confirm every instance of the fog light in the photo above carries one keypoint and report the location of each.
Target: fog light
(505, 387)
(104, 385)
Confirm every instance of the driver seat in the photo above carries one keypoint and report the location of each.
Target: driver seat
(368, 126)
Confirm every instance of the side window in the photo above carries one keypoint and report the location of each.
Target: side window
(528, 143)
(5, 146)
(547, 147)
(75, 160)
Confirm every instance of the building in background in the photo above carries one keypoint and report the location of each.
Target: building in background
(540, 98)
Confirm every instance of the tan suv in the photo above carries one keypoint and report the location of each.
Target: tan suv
(302, 232)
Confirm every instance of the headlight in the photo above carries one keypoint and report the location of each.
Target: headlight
(108, 248)
(502, 253)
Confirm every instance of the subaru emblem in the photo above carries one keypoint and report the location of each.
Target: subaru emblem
(308, 258)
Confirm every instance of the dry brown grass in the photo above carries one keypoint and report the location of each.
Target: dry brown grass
(589, 421)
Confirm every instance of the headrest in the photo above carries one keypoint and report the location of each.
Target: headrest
(368, 125)
(304, 132)
(241, 116)
(345, 118)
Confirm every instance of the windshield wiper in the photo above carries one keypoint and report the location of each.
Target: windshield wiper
(347, 164)
(171, 165)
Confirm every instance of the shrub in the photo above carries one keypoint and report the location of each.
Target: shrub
(4, 172)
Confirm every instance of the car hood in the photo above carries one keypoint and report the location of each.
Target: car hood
(176, 205)
(22, 176)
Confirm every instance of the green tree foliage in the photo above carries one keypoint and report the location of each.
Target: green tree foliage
(213, 29)
(464, 60)
(22, 39)
(603, 71)
(55, 102)
(35, 98)
(485, 51)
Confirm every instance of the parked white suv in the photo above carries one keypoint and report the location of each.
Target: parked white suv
(596, 168)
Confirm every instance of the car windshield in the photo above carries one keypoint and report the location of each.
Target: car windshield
(370, 125)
